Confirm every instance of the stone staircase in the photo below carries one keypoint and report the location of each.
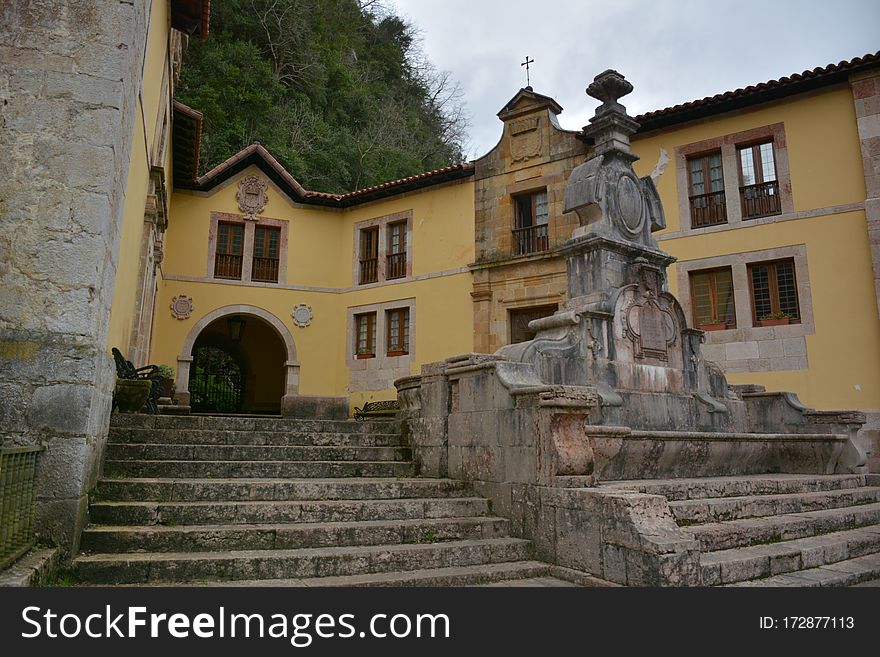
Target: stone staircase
(778, 530)
(207, 500)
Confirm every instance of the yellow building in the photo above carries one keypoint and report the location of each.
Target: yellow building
(313, 303)
(306, 301)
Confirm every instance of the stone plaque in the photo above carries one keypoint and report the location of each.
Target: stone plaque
(652, 330)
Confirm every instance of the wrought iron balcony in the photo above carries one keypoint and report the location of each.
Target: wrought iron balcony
(708, 209)
(396, 266)
(531, 239)
(369, 270)
(761, 200)
(227, 266)
(265, 270)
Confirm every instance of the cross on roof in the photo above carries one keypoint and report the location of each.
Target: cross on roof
(526, 64)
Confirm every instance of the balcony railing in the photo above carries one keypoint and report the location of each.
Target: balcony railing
(227, 266)
(369, 270)
(18, 496)
(761, 200)
(265, 270)
(396, 266)
(708, 209)
(531, 239)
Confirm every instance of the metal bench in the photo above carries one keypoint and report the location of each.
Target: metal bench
(377, 409)
(126, 370)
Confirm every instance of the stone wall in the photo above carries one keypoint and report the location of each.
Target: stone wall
(534, 154)
(68, 86)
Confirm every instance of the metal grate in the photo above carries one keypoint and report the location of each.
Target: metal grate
(18, 496)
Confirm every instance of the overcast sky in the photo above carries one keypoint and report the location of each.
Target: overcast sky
(671, 50)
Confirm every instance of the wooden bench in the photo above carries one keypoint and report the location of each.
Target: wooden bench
(377, 409)
(126, 370)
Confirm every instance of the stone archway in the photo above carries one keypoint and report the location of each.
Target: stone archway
(291, 364)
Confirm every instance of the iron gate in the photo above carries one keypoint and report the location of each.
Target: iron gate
(216, 381)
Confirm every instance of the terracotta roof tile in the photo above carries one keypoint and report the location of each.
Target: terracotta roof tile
(756, 93)
(258, 155)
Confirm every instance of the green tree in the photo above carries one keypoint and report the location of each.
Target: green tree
(337, 90)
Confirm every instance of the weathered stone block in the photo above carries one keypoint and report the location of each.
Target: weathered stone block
(61, 408)
(741, 350)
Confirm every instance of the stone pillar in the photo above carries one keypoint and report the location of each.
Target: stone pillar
(181, 395)
(866, 96)
(69, 77)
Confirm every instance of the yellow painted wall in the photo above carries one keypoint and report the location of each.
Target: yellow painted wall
(826, 170)
(125, 291)
(822, 140)
(321, 255)
(128, 265)
(155, 66)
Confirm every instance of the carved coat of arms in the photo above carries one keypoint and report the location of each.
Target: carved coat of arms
(525, 139)
(252, 196)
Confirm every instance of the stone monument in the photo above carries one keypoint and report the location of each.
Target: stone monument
(613, 387)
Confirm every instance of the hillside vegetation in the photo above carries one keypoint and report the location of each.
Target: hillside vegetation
(337, 90)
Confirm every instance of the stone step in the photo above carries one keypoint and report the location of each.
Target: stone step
(202, 490)
(287, 536)
(531, 582)
(273, 469)
(510, 571)
(174, 567)
(165, 452)
(200, 513)
(740, 564)
(743, 486)
(843, 573)
(217, 437)
(251, 423)
(688, 512)
(774, 529)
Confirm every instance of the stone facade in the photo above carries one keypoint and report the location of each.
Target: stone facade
(534, 154)
(69, 83)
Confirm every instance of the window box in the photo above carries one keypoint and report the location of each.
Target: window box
(363, 355)
(774, 321)
(713, 326)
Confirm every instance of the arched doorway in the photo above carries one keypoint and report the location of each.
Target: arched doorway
(216, 377)
(238, 359)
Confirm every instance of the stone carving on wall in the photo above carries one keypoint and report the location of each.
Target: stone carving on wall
(181, 306)
(302, 315)
(525, 139)
(252, 196)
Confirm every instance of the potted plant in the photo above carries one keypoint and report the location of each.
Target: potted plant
(130, 395)
(364, 353)
(775, 319)
(714, 324)
(166, 382)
